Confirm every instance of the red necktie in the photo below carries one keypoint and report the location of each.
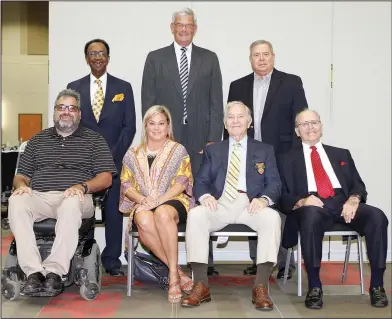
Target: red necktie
(323, 183)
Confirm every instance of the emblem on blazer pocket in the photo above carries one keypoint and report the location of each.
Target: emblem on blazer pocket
(260, 167)
(118, 97)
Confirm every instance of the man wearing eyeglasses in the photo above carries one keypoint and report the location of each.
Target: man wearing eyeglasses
(60, 169)
(321, 186)
(187, 80)
(108, 107)
(274, 97)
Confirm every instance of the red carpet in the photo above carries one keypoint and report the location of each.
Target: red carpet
(71, 305)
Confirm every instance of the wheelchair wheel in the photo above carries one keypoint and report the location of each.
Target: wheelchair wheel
(5, 224)
(90, 288)
(10, 290)
(89, 292)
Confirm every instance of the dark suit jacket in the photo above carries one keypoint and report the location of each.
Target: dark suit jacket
(117, 122)
(212, 174)
(161, 85)
(295, 185)
(285, 98)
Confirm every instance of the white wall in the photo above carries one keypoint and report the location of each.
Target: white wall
(307, 37)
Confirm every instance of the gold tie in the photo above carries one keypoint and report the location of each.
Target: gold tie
(98, 100)
(233, 174)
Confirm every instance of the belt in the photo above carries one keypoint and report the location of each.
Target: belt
(240, 191)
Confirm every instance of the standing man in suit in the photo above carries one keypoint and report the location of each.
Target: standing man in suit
(108, 107)
(188, 81)
(321, 186)
(237, 182)
(274, 97)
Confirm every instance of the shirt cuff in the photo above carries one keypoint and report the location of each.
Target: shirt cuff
(203, 196)
(270, 202)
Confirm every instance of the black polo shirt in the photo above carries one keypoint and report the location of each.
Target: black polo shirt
(55, 163)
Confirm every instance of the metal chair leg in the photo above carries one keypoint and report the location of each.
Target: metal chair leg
(286, 268)
(130, 264)
(360, 257)
(299, 266)
(346, 259)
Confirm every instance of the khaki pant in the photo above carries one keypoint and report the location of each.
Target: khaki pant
(24, 210)
(201, 221)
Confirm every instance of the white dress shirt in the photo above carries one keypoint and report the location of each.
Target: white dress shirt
(260, 91)
(188, 52)
(94, 86)
(326, 164)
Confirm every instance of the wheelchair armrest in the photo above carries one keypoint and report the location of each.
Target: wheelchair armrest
(99, 200)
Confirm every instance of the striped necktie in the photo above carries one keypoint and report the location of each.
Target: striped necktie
(233, 173)
(98, 100)
(184, 81)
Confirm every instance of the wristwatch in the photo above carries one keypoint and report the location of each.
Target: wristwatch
(85, 188)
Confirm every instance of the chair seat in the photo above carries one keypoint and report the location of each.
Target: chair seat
(47, 226)
(341, 227)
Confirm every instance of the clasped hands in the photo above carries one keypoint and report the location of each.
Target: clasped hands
(256, 205)
(149, 202)
(350, 207)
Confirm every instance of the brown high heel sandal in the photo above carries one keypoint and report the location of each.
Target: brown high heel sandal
(174, 297)
(186, 283)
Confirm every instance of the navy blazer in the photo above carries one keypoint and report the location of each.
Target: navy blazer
(212, 174)
(292, 171)
(285, 98)
(117, 122)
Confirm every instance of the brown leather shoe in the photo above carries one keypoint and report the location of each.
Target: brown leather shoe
(199, 293)
(261, 299)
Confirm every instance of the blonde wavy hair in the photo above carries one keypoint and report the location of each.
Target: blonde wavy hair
(153, 110)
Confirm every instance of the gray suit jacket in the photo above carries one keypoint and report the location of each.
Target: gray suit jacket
(161, 85)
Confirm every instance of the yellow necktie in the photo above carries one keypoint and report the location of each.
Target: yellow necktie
(98, 100)
(233, 174)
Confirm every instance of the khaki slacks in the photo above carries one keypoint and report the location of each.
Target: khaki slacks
(201, 221)
(24, 210)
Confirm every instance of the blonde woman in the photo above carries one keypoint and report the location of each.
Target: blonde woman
(156, 189)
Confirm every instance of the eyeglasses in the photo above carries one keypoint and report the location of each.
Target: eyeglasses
(186, 26)
(97, 54)
(307, 123)
(63, 107)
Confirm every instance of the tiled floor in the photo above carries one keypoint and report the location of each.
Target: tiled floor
(231, 294)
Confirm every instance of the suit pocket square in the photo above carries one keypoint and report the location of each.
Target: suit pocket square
(118, 97)
(342, 163)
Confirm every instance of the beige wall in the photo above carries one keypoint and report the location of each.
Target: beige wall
(24, 77)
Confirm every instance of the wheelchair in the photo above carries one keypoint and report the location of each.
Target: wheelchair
(85, 267)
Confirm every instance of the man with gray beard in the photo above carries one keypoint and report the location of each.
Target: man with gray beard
(60, 169)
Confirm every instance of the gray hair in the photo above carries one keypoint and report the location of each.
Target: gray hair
(184, 12)
(231, 104)
(69, 93)
(258, 42)
(304, 111)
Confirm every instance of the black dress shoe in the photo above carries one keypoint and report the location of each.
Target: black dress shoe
(280, 274)
(212, 272)
(378, 297)
(53, 284)
(115, 272)
(314, 298)
(34, 283)
(250, 270)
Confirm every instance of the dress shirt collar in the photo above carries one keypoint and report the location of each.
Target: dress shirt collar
(308, 150)
(178, 47)
(265, 78)
(103, 79)
(243, 142)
